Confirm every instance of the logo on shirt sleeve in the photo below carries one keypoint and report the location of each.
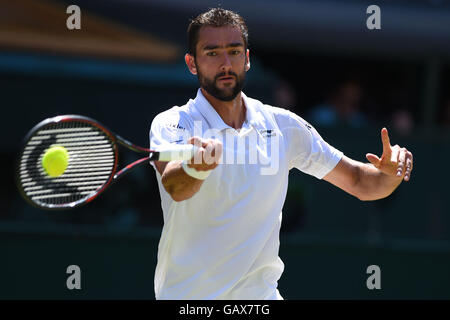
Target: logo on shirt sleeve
(307, 125)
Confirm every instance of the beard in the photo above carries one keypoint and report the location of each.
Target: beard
(226, 94)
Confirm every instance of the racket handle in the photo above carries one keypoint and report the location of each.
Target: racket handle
(177, 152)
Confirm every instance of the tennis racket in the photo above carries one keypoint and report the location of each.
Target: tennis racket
(92, 164)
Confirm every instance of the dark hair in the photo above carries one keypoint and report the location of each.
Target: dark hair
(216, 17)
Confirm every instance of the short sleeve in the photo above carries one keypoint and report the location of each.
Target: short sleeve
(306, 149)
(169, 127)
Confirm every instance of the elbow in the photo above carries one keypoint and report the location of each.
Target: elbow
(176, 193)
(178, 198)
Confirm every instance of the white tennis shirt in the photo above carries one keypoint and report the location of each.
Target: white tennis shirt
(223, 242)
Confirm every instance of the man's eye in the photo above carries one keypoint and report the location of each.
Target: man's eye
(211, 54)
(235, 52)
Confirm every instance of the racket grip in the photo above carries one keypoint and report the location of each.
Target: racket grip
(177, 152)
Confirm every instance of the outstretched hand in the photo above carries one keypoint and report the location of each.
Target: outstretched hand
(395, 161)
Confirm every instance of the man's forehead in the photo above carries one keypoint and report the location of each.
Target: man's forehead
(209, 35)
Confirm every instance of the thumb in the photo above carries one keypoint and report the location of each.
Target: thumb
(373, 159)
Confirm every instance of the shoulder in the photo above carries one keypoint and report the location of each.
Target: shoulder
(278, 112)
(284, 117)
(266, 110)
(177, 117)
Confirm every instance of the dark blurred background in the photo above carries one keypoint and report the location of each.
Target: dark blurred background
(316, 58)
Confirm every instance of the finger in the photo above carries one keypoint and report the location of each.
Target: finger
(412, 159)
(395, 153)
(408, 166)
(373, 159)
(208, 156)
(198, 157)
(212, 143)
(191, 140)
(196, 141)
(386, 142)
(218, 148)
(401, 165)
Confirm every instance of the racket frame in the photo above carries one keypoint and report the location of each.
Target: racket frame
(114, 175)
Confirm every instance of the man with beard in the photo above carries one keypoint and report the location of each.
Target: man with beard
(222, 215)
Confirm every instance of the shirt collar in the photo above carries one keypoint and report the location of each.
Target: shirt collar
(253, 116)
(213, 118)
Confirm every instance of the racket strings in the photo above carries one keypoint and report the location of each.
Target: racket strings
(91, 162)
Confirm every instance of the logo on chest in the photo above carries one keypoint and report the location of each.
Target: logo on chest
(176, 126)
(267, 133)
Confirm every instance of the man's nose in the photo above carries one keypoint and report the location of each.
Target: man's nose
(226, 63)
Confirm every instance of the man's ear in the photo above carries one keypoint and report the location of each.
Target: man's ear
(247, 60)
(190, 62)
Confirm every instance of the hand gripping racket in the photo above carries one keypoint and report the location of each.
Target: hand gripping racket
(92, 164)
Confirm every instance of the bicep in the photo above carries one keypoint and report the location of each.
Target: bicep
(345, 175)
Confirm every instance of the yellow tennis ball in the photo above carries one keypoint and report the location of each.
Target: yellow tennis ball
(55, 161)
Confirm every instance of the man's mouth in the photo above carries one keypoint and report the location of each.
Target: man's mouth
(225, 78)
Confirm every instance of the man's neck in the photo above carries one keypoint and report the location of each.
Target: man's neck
(232, 112)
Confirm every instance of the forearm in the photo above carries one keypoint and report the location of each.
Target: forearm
(177, 183)
(372, 184)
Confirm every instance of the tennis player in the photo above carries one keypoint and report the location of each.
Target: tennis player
(222, 216)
